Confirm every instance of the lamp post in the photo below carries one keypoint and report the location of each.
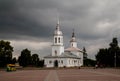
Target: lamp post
(115, 60)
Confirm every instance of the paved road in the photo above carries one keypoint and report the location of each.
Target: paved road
(52, 76)
(25, 75)
(89, 75)
(62, 75)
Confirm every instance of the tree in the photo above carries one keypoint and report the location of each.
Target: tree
(25, 58)
(109, 56)
(114, 51)
(85, 57)
(35, 59)
(114, 43)
(41, 63)
(90, 62)
(14, 60)
(84, 53)
(102, 57)
(5, 53)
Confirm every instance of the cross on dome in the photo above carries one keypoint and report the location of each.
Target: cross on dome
(57, 31)
(73, 37)
(58, 27)
(73, 34)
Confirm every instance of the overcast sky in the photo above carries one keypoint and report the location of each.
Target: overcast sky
(31, 23)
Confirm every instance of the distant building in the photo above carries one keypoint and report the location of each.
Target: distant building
(60, 57)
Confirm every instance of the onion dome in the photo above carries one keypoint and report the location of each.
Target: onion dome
(57, 30)
(73, 37)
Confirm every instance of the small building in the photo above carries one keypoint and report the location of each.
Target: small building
(60, 57)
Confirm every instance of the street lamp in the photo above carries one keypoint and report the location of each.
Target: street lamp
(115, 60)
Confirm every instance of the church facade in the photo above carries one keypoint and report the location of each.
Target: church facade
(60, 57)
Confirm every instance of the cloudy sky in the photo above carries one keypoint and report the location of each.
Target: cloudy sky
(31, 23)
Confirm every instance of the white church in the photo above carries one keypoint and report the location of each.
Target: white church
(60, 57)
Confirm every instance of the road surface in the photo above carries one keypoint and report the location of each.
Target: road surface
(62, 75)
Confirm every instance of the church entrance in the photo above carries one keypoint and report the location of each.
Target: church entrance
(56, 63)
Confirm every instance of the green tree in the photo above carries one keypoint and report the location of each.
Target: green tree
(14, 60)
(85, 57)
(41, 63)
(35, 59)
(84, 53)
(5, 53)
(25, 58)
(114, 43)
(102, 57)
(109, 56)
(90, 62)
(114, 53)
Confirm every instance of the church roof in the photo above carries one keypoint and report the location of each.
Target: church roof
(73, 49)
(63, 55)
(68, 54)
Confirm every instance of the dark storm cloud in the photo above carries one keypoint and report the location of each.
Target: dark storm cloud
(95, 22)
(16, 19)
(32, 18)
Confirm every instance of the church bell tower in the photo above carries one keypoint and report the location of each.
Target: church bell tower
(73, 42)
(57, 47)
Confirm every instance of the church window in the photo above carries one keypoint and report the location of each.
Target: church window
(62, 61)
(50, 62)
(55, 53)
(74, 61)
(62, 40)
(59, 39)
(55, 40)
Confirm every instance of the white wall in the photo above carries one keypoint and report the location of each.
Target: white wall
(59, 49)
(81, 56)
(67, 62)
(61, 62)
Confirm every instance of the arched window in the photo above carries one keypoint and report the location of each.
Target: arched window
(59, 39)
(62, 61)
(55, 53)
(50, 62)
(72, 44)
(55, 40)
